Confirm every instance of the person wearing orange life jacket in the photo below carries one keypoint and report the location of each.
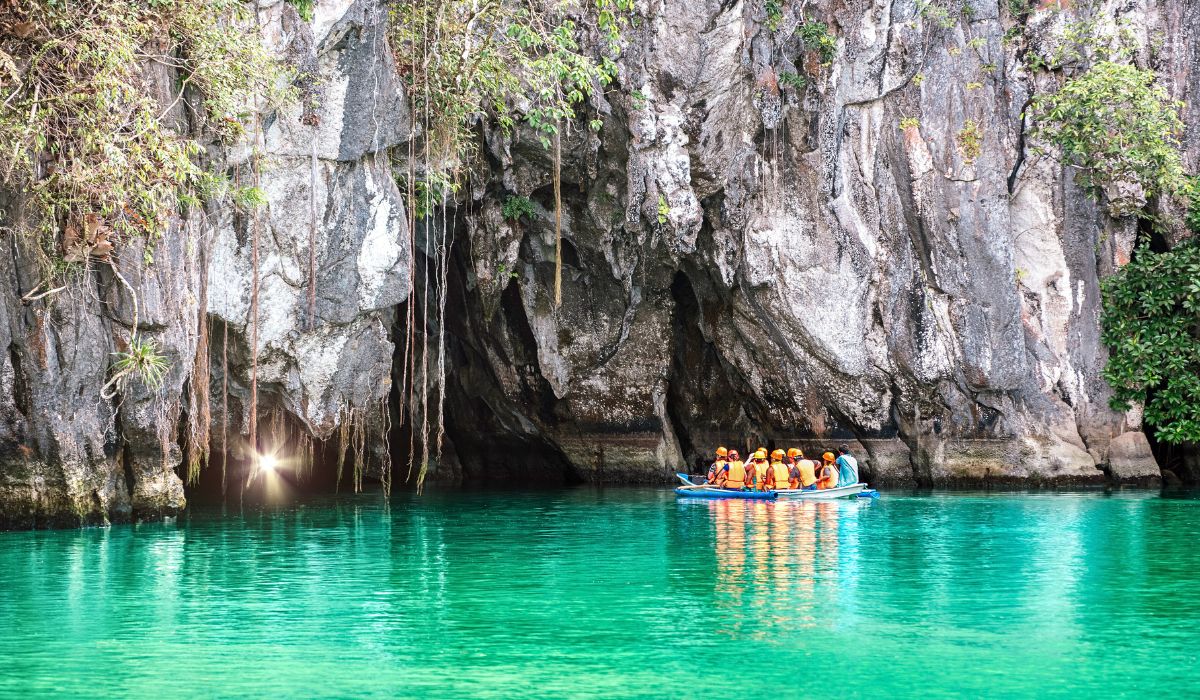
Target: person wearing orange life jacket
(827, 475)
(733, 475)
(779, 477)
(805, 471)
(718, 466)
(758, 471)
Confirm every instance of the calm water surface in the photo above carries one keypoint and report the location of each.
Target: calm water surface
(615, 593)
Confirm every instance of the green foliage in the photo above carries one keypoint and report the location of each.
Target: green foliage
(143, 361)
(1117, 124)
(639, 99)
(977, 43)
(515, 206)
(774, 11)
(249, 198)
(79, 134)
(796, 82)
(1192, 197)
(918, 79)
(817, 37)
(664, 210)
(937, 14)
(304, 8)
(974, 86)
(503, 61)
(1019, 8)
(910, 123)
(970, 140)
(1151, 307)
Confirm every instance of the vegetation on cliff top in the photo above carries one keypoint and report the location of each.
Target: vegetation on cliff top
(82, 133)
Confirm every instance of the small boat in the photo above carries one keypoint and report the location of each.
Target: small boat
(691, 489)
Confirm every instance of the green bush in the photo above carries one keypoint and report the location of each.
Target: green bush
(79, 133)
(817, 37)
(516, 206)
(1151, 308)
(1116, 124)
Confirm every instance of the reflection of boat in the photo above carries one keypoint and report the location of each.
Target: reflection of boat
(788, 495)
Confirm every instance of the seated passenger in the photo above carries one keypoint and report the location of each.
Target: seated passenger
(827, 475)
(757, 478)
(779, 476)
(717, 466)
(733, 475)
(805, 471)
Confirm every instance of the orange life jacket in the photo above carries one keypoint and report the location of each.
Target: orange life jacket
(829, 477)
(714, 471)
(735, 477)
(780, 478)
(808, 475)
(760, 476)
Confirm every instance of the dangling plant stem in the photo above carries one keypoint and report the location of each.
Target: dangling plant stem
(557, 219)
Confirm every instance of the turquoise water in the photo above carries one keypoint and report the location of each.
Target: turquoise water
(615, 593)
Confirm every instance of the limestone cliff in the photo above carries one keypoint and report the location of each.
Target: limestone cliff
(754, 249)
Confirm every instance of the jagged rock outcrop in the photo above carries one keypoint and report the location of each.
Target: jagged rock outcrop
(780, 260)
(754, 248)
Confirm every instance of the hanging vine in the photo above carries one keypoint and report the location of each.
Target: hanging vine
(512, 64)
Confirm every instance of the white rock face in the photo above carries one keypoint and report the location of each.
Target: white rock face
(330, 194)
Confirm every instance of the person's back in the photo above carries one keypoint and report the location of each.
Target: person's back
(808, 473)
(847, 466)
(714, 471)
(778, 477)
(827, 477)
(758, 471)
(735, 473)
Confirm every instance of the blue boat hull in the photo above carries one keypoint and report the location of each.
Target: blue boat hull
(726, 493)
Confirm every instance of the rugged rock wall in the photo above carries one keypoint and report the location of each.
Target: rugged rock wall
(69, 457)
(747, 257)
(819, 273)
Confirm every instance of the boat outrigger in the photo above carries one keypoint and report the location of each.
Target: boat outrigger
(691, 489)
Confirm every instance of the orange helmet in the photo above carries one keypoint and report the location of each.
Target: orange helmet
(777, 454)
(828, 457)
(722, 452)
(760, 453)
(794, 452)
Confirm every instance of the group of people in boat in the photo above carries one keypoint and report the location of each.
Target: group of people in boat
(784, 470)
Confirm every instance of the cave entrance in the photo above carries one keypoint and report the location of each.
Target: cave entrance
(491, 439)
(295, 472)
(1183, 461)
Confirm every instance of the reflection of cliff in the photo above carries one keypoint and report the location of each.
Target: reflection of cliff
(782, 560)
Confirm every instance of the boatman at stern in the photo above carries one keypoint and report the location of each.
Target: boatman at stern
(847, 467)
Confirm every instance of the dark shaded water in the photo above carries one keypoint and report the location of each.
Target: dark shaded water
(615, 593)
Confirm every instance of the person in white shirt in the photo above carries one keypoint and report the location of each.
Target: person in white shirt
(847, 466)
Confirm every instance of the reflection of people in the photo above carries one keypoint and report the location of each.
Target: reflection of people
(847, 466)
(827, 475)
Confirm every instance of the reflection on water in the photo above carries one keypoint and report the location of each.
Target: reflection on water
(613, 593)
(778, 557)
